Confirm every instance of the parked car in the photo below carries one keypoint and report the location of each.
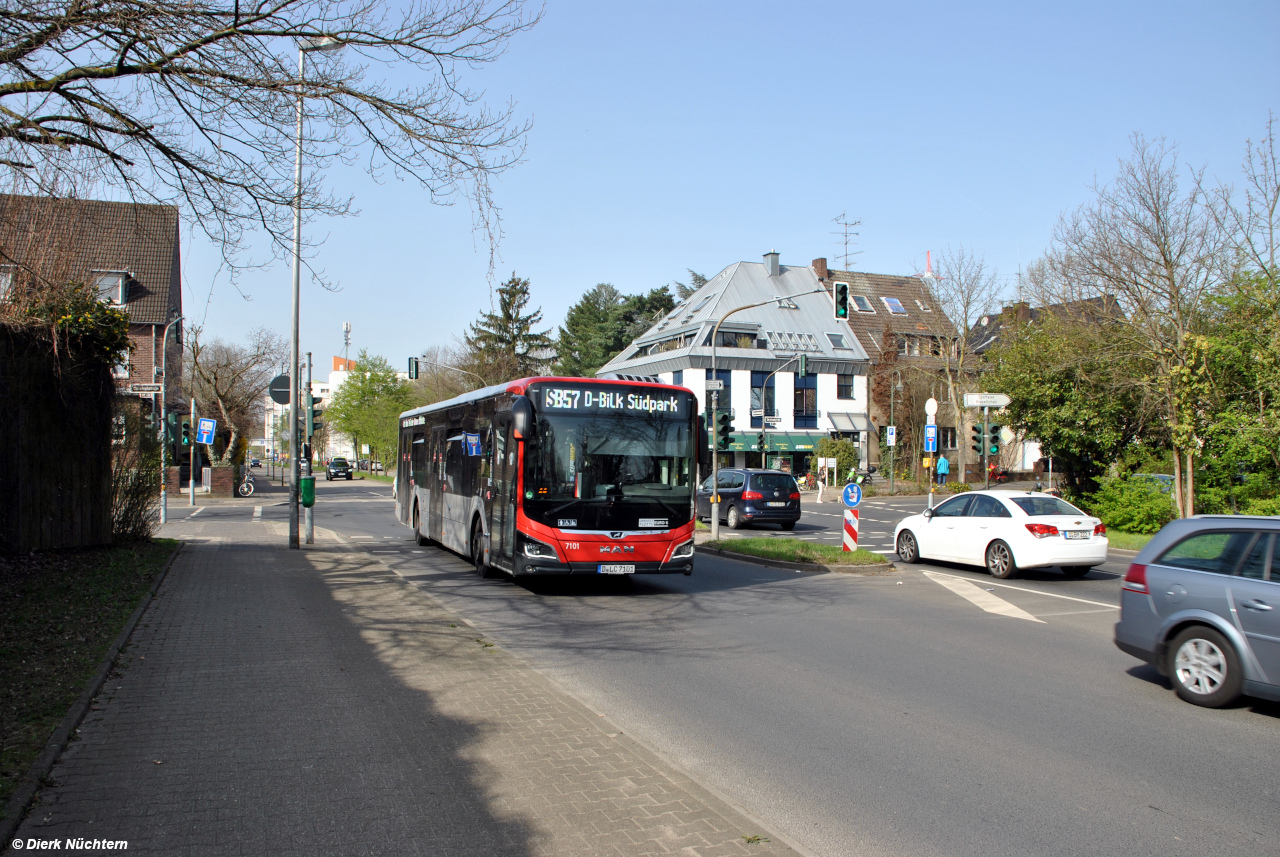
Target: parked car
(338, 469)
(1201, 603)
(1005, 531)
(753, 497)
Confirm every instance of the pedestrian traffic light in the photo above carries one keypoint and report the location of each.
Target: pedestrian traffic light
(186, 432)
(841, 294)
(760, 440)
(724, 430)
(977, 440)
(994, 439)
(413, 368)
(804, 366)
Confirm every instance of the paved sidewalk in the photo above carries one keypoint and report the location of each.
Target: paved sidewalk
(310, 702)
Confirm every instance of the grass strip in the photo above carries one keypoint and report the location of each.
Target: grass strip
(794, 550)
(60, 611)
(1127, 541)
(377, 477)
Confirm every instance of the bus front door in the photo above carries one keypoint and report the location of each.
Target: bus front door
(435, 523)
(502, 509)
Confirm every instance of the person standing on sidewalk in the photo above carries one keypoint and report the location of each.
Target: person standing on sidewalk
(944, 469)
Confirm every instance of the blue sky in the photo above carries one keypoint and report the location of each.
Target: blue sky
(669, 136)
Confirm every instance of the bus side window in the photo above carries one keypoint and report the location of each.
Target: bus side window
(418, 456)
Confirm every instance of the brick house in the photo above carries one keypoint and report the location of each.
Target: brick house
(129, 252)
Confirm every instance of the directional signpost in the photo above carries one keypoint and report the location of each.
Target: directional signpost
(986, 400)
(207, 428)
(852, 496)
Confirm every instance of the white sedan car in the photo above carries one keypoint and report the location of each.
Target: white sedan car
(1005, 531)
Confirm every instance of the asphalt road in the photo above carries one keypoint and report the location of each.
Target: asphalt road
(890, 715)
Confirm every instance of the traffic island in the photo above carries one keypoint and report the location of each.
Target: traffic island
(800, 556)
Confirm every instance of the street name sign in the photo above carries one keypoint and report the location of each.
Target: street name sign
(757, 412)
(772, 421)
(986, 400)
(930, 438)
(714, 385)
(145, 388)
(207, 427)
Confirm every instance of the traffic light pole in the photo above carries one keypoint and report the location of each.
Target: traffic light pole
(715, 405)
(191, 501)
(308, 513)
(986, 444)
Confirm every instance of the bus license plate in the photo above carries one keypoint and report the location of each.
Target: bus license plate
(617, 569)
(1077, 534)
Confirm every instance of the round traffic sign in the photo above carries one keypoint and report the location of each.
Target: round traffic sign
(852, 495)
(279, 389)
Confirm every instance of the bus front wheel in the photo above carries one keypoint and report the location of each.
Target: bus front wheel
(477, 550)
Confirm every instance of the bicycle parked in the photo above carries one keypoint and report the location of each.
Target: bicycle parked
(245, 488)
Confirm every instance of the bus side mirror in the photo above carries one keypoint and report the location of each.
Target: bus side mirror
(704, 443)
(522, 417)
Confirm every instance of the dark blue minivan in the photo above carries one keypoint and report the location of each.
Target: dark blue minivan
(753, 497)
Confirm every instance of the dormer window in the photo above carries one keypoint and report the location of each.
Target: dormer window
(895, 306)
(112, 286)
(862, 304)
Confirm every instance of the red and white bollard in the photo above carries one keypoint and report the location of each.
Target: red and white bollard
(850, 540)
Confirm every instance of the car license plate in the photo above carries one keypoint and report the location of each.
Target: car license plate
(776, 504)
(617, 569)
(1076, 534)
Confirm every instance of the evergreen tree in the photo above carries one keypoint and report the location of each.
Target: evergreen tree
(588, 336)
(696, 281)
(505, 343)
(641, 312)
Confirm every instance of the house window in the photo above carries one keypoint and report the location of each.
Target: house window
(725, 396)
(677, 378)
(895, 306)
(6, 281)
(762, 397)
(112, 286)
(947, 437)
(844, 387)
(902, 346)
(806, 402)
(863, 305)
(915, 346)
(837, 340)
(924, 307)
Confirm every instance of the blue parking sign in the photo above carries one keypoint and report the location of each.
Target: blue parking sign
(205, 430)
(930, 438)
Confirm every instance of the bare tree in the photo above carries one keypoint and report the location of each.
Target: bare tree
(966, 289)
(1254, 220)
(230, 380)
(196, 102)
(1161, 254)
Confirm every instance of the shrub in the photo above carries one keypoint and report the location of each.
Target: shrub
(135, 474)
(1131, 505)
(958, 487)
(1262, 506)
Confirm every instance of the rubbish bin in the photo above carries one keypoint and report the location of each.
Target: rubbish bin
(307, 485)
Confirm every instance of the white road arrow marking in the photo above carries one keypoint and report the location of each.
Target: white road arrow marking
(985, 600)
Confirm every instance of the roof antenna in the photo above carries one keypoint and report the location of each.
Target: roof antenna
(847, 233)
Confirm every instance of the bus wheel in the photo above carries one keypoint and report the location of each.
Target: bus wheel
(477, 551)
(417, 527)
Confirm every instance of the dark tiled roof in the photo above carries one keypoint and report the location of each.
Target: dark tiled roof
(986, 333)
(61, 239)
(870, 327)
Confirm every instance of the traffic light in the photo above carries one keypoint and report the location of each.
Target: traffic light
(724, 430)
(841, 294)
(994, 439)
(804, 365)
(977, 439)
(186, 432)
(413, 368)
(760, 440)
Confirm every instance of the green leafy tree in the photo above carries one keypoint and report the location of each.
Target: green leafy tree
(641, 312)
(506, 344)
(368, 403)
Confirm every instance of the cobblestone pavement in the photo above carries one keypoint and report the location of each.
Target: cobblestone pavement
(310, 702)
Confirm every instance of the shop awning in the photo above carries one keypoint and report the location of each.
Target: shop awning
(851, 422)
(778, 442)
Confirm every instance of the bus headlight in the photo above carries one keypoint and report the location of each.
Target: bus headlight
(537, 550)
(684, 551)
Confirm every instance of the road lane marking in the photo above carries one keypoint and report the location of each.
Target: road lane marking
(1038, 592)
(257, 514)
(196, 512)
(967, 590)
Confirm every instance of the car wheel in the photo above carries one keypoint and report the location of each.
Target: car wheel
(417, 528)
(1000, 561)
(733, 519)
(1076, 570)
(789, 525)
(1204, 667)
(908, 550)
(477, 551)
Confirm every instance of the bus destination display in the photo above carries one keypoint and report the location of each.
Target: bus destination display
(567, 399)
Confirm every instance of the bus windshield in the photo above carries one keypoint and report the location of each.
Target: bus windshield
(610, 471)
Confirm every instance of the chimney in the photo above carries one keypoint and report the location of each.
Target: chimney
(820, 268)
(771, 263)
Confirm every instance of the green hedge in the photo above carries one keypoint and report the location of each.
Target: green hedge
(1132, 505)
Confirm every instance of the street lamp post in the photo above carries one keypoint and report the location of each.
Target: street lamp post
(715, 405)
(893, 397)
(325, 43)
(164, 422)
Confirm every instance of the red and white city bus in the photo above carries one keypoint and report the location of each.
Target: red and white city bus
(555, 476)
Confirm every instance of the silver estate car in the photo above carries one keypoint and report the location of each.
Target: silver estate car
(1201, 602)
